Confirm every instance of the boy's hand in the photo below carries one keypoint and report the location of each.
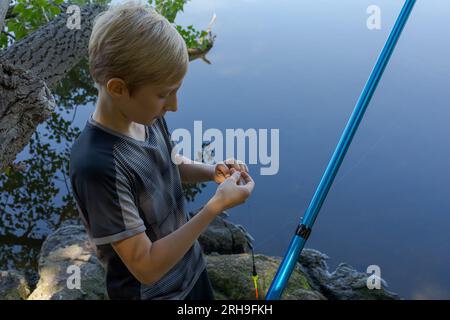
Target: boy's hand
(230, 194)
(222, 169)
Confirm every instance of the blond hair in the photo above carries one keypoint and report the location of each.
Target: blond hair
(133, 42)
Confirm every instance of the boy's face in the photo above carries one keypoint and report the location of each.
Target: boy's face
(147, 102)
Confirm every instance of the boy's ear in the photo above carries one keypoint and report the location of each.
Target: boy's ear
(116, 87)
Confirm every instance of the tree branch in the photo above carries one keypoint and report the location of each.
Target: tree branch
(29, 68)
(4, 6)
(26, 101)
(54, 49)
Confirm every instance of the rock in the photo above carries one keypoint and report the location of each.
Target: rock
(345, 283)
(230, 274)
(224, 237)
(13, 285)
(231, 278)
(69, 246)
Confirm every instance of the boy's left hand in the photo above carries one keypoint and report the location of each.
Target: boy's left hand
(222, 169)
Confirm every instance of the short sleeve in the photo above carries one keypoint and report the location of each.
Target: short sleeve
(105, 198)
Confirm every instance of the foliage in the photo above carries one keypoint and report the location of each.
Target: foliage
(28, 15)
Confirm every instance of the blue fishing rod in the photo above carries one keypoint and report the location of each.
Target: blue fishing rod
(304, 228)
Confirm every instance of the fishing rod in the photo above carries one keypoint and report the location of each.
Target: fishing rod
(304, 228)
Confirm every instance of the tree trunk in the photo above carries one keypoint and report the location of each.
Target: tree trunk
(28, 69)
(4, 5)
(25, 102)
(53, 50)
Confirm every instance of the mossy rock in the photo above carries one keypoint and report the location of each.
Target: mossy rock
(231, 277)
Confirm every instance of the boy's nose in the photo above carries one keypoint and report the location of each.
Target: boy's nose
(172, 107)
(172, 104)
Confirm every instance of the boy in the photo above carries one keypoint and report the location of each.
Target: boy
(127, 189)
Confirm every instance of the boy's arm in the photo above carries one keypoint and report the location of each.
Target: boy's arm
(149, 261)
(193, 171)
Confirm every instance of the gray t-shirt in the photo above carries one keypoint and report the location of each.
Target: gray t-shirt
(123, 187)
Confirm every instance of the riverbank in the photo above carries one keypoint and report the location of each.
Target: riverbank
(229, 264)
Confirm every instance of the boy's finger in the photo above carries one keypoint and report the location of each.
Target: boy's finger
(232, 163)
(247, 178)
(242, 166)
(223, 169)
(249, 185)
(235, 176)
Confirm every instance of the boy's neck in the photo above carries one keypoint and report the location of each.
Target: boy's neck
(111, 118)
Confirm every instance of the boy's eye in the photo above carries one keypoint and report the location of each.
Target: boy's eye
(163, 96)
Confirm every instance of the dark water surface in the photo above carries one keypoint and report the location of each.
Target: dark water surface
(299, 66)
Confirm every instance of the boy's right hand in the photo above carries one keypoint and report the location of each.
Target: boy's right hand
(231, 193)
